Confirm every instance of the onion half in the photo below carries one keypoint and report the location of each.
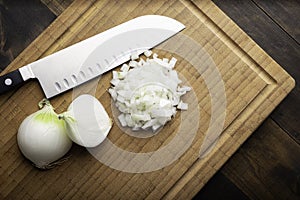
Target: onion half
(87, 122)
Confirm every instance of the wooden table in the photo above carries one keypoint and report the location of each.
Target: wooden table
(267, 165)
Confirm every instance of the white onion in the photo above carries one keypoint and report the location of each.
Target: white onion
(148, 94)
(42, 137)
(87, 121)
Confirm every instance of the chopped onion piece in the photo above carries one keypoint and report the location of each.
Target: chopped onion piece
(156, 126)
(134, 56)
(166, 60)
(182, 106)
(141, 62)
(129, 120)
(161, 62)
(172, 62)
(125, 68)
(148, 94)
(115, 82)
(148, 53)
(149, 123)
(119, 75)
(113, 93)
(120, 99)
(122, 119)
(133, 63)
(184, 89)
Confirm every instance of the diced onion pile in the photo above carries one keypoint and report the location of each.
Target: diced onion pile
(147, 92)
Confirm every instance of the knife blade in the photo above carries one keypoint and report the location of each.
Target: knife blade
(94, 56)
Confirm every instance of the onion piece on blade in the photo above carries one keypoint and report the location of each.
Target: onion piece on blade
(87, 122)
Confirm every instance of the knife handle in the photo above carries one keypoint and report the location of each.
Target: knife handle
(10, 81)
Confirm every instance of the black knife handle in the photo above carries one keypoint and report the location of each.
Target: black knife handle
(10, 81)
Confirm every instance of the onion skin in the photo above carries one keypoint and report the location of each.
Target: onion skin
(42, 137)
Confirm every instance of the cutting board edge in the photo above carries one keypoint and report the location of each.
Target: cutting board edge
(288, 86)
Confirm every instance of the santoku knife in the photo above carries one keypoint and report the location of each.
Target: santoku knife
(94, 56)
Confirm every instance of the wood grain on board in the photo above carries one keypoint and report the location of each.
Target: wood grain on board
(57, 6)
(268, 26)
(281, 46)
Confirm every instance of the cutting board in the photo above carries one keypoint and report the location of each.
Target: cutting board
(235, 86)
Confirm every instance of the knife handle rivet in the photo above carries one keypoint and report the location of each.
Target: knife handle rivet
(8, 81)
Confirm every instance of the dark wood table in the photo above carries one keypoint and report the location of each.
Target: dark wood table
(267, 166)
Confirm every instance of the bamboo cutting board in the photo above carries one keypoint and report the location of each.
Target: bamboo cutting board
(213, 54)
